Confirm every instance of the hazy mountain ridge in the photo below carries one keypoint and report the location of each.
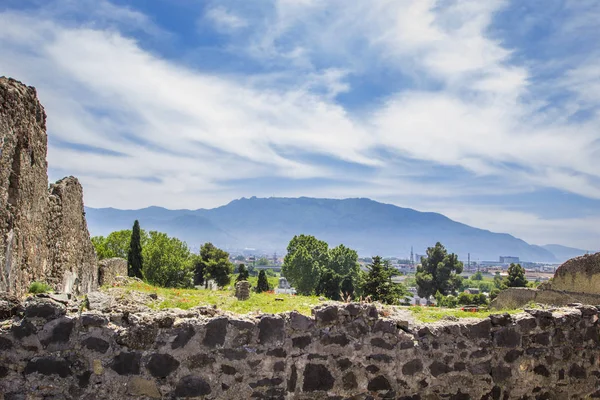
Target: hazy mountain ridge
(368, 226)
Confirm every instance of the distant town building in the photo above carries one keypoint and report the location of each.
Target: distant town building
(509, 260)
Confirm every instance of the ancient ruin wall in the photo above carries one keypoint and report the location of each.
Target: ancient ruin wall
(109, 269)
(344, 352)
(579, 274)
(43, 234)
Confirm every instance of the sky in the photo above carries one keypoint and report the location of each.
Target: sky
(485, 111)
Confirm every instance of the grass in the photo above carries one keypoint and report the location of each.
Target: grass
(39, 287)
(225, 300)
(433, 314)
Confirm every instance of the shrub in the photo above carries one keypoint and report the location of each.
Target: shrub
(39, 287)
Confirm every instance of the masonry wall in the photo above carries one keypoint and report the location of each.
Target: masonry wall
(343, 352)
(579, 274)
(43, 233)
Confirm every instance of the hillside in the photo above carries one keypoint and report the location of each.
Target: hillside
(368, 226)
(564, 253)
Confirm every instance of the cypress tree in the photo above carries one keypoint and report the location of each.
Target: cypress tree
(263, 283)
(242, 273)
(134, 255)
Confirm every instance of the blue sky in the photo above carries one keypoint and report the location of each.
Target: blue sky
(485, 111)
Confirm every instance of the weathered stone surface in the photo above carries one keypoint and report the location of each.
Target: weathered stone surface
(9, 305)
(43, 233)
(192, 386)
(109, 269)
(162, 365)
(242, 290)
(215, 332)
(317, 377)
(461, 359)
(44, 308)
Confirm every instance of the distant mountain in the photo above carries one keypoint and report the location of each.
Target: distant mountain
(368, 226)
(564, 253)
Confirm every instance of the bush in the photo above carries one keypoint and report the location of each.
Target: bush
(263, 283)
(39, 287)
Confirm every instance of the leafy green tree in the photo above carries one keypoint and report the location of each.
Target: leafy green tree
(306, 257)
(135, 258)
(240, 258)
(516, 276)
(378, 283)
(499, 282)
(213, 264)
(263, 261)
(494, 293)
(439, 271)
(167, 261)
(263, 283)
(242, 273)
(329, 285)
(477, 276)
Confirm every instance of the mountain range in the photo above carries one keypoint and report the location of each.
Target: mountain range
(369, 227)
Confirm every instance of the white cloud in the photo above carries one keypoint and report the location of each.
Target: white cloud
(186, 133)
(225, 19)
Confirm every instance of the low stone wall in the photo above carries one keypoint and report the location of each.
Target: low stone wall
(109, 269)
(343, 352)
(514, 298)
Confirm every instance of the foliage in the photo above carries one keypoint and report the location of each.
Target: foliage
(439, 271)
(446, 301)
(167, 261)
(306, 256)
(263, 283)
(242, 273)
(135, 259)
(483, 285)
(240, 258)
(378, 283)
(477, 276)
(116, 244)
(494, 293)
(39, 287)
(262, 261)
(213, 263)
(516, 276)
(499, 282)
(475, 299)
(270, 272)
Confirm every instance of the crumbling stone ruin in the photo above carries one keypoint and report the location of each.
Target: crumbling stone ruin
(242, 290)
(109, 269)
(43, 232)
(575, 281)
(345, 351)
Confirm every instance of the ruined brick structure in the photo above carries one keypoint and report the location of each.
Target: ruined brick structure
(43, 232)
(352, 351)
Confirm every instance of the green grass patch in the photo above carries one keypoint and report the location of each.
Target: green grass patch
(39, 287)
(433, 314)
(225, 300)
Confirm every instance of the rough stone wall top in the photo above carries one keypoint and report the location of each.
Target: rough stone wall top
(344, 352)
(579, 274)
(43, 236)
(109, 269)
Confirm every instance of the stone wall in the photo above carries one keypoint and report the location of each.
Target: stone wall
(109, 269)
(579, 274)
(515, 298)
(43, 234)
(353, 351)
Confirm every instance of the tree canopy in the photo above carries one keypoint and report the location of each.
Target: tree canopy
(135, 258)
(167, 261)
(213, 264)
(242, 273)
(263, 283)
(378, 283)
(306, 256)
(438, 272)
(116, 244)
(516, 276)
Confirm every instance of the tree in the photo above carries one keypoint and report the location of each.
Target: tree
(240, 258)
(329, 285)
(439, 271)
(477, 276)
(242, 273)
(516, 276)
(263, 261)
(262, 284)
(214, 264)
(135, 259)
(116, 244)
(306, 257)
(378, 283)
(168, 262)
